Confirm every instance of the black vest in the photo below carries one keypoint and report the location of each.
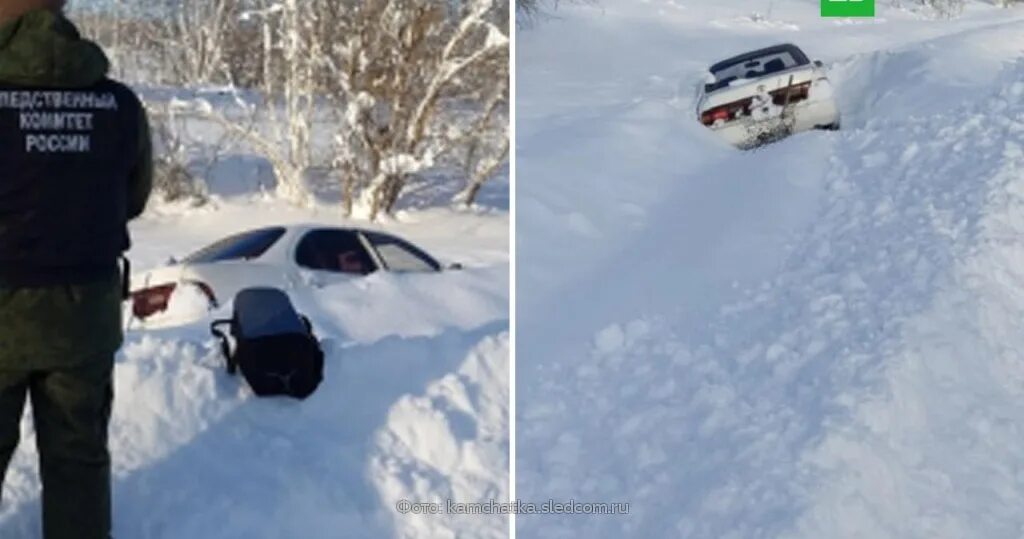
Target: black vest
(66, 156)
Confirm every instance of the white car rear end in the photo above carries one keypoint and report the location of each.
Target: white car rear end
(764, 95)
(181, 293)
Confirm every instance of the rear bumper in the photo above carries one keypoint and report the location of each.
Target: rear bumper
(805, 117)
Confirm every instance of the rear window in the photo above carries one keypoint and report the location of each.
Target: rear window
(244, 246)
(755, 65)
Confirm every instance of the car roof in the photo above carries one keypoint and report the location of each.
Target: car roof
(795, 51)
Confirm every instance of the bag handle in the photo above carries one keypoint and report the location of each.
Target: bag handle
(225, 345)
(308, 324)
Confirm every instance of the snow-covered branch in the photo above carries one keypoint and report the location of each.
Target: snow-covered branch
(398, 88)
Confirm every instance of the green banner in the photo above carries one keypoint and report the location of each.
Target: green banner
(847, 8)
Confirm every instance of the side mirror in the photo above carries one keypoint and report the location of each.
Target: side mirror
(172, 261)
(818, 63)
(455, 267)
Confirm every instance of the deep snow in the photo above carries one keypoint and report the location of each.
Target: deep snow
(816, 339)
(414, 405)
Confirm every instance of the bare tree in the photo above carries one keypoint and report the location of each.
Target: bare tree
(405, 69)
(408, 84)
(275, 118)
(941, 8)
(192, 38)
(487, 145)
(172, 177)
(528, 8)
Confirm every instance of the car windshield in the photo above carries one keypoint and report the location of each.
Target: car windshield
(755, 65)
(244, 246)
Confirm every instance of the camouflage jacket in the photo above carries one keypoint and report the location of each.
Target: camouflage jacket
(44, 327)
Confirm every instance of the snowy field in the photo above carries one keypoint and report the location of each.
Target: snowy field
(821, 338)
(414, 404)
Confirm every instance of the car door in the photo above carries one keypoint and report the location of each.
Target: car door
(329, 256)
(398, 255)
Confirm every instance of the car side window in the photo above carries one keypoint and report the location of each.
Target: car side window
(337, 251)
(244, 246)
(401, 256)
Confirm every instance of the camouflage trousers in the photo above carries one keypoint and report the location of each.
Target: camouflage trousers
(71, 411)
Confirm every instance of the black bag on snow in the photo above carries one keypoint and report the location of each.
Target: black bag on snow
(275, 347)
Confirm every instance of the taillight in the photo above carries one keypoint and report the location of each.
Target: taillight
(715, 114)
(791, 94)
(149, 301)
(727, 112)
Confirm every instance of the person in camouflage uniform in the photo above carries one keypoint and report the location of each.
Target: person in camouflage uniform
(75, 166)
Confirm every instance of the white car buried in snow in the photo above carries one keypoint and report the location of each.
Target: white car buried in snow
(281, 256)
(765, 95)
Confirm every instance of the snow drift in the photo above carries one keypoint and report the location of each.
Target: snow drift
(413, 406)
